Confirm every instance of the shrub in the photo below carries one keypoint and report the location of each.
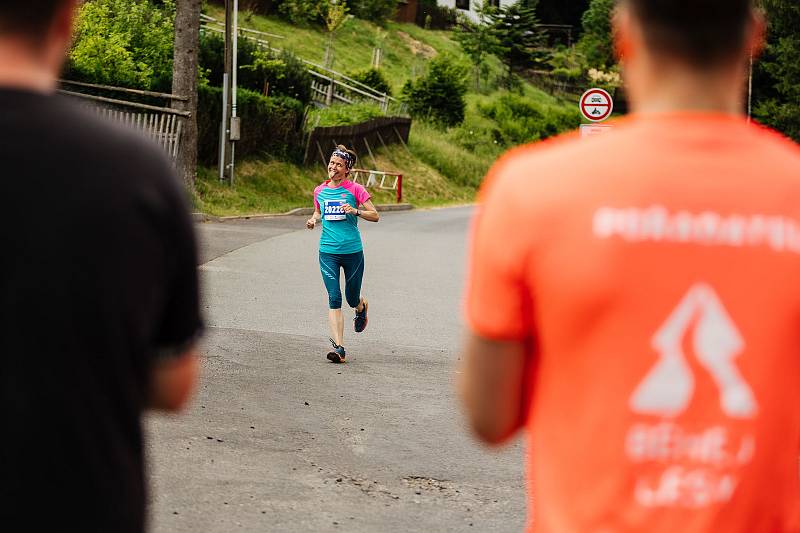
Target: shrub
(439, 95)
(124, 42)
(374, 79)
(286, 75)
(304, 12)
(271, 125)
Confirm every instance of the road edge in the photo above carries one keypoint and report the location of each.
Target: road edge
(204, 217)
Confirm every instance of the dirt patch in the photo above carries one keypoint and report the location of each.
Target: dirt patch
(416, 46)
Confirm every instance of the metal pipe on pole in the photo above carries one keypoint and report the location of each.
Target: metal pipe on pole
(229, 130)
(223, 129)
(235, 130)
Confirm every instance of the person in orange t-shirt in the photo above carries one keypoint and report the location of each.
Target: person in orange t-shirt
(633, 299)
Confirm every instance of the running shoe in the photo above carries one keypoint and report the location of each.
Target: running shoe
(360, 320)
(336, 355)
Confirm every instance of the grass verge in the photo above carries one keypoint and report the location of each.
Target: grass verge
(270, 186)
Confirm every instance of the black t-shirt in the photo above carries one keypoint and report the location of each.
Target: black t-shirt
(98, 281)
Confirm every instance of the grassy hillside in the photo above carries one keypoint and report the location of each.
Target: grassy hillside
(405, 46)
(440, 167)
(271, 186)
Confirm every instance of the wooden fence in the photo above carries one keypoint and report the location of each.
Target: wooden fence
(164, 129)
(163, 125)
(363, 138)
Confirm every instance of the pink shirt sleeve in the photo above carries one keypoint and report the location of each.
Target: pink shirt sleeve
(316, 194)
(358, 191)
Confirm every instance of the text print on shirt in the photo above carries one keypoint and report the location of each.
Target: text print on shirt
(692, 464)
(334, 210)
(657, 224)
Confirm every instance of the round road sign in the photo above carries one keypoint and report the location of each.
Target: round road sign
(596, 105)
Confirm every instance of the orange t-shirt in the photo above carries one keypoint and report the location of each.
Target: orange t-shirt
(655, 271)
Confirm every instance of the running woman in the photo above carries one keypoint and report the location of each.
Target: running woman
(339, 203)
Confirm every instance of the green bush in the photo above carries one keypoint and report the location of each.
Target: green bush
(269, 125)
(286, 75)
(124, 42)
(520, 120)
(303, 12)
(374, 79)
(439, 95)
(568, 64)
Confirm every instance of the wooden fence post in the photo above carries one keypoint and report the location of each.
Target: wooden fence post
(329, 96)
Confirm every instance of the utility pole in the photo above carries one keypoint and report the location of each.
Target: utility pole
(229, 125)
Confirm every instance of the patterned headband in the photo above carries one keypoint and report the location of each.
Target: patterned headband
(349, 160)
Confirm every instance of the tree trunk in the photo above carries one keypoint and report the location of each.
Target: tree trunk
(184, 82)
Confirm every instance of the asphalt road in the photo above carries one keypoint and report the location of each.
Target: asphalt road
(279, 439)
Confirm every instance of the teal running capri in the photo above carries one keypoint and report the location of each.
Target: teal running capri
(353, 266)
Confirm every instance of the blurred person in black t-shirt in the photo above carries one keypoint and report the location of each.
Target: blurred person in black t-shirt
(98, 293)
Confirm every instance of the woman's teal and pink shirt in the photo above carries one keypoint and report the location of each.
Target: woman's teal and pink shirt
(340, 233)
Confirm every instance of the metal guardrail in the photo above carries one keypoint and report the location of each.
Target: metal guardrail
(321, 91)
(207, 19)
(328, 90)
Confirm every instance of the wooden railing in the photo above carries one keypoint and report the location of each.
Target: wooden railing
(163, 125)
(389, 181)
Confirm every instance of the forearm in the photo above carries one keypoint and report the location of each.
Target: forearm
(491, 388)
(370, 215)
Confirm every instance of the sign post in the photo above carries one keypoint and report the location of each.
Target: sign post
(596, 106)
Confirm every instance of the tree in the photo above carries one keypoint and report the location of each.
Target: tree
(184, 82)
(125, 43)
(777, 76)
(521, 40)
(478, 40)
(335, 17)
(597, 44)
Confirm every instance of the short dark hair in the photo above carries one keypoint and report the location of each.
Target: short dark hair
(29, 18)
(701, 32)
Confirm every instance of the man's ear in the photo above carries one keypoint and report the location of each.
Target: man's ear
(64, 22)
(757, 33)
(622, 32)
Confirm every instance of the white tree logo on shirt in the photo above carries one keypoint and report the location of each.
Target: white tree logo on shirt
(668, 387)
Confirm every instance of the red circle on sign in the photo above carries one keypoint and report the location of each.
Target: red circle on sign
(596, 105)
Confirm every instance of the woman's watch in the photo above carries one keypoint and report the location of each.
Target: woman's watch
(358, 213)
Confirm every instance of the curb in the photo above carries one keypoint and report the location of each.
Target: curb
(203, 217)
